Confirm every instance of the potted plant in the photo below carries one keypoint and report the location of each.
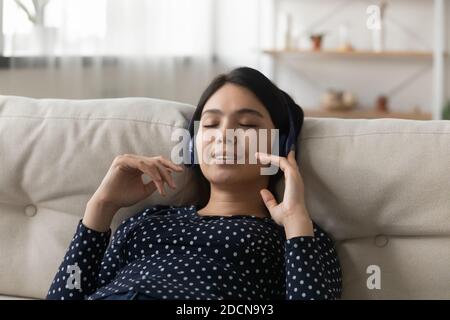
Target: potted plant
(316, 40)
(446, 111)
(37, 17)
(43, 38)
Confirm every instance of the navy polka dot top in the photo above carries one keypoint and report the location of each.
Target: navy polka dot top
(169, 252)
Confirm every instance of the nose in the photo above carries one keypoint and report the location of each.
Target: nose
(225, 144)
(229, 139)
(223, 133)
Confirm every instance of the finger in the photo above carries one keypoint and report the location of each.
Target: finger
(150, 187)
(269, 199)
(291, 158)
(170, 164)
(137, 162)
(161, 175)
(154, 174)
(166, 176)
(273, 159)
(159, 182)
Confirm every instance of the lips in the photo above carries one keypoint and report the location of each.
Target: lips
(221, 157)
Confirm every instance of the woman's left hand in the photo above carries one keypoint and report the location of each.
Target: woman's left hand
(291, 212)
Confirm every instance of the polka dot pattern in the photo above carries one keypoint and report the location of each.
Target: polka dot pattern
(169, 252)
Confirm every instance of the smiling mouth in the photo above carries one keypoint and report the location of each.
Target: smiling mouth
(224, 158)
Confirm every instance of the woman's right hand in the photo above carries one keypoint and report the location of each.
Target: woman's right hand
(122, 186)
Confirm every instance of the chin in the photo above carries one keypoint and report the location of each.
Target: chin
(230, 173)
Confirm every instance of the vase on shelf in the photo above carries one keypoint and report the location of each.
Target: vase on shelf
(381, 104)
(345, 44)
(286, 31)
(378, 26)
(316, 41)
(378, 38)
(338, 100)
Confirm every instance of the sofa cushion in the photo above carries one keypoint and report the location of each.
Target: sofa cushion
(53, 155)
(381, 188)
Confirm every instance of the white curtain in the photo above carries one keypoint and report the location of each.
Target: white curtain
(109, 48)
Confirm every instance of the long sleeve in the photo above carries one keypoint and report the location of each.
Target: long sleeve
(90, 263)
(312, 268)
(77, 276)
(117, 254)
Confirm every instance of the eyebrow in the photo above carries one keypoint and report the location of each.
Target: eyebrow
(240, 111)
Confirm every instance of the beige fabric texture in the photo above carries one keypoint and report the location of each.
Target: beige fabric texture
(380, 188)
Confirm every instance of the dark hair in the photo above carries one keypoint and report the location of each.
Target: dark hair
(275, 100)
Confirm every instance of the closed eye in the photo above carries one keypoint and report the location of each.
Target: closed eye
(241, 124)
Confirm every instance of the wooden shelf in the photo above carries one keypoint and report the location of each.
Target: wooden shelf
(366, 114)
(352, 53)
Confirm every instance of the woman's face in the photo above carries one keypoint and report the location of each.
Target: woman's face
(237, 108)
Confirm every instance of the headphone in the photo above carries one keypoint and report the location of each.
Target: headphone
(286, 141)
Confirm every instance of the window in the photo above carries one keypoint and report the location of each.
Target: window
(109, 27)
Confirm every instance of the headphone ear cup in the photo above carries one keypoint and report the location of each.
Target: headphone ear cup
(191, 152)
(290, 141)
(282, 145)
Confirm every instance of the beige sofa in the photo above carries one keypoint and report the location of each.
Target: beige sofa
(381, 188)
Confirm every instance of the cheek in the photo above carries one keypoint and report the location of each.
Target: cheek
(266, 141)
(202, 142)
(198, 140)
(260, 142)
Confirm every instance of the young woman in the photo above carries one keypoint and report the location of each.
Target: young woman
(240, 244)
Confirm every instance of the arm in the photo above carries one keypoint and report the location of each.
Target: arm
(78, 273)
(93, 273)
(312, 267)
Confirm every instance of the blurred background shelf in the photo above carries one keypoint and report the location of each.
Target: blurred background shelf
(323, 46)
(367, 114)
(351, 53)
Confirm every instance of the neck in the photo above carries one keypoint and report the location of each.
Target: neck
(231, 200)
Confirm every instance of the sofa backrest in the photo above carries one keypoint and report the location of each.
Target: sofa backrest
(380, 188)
